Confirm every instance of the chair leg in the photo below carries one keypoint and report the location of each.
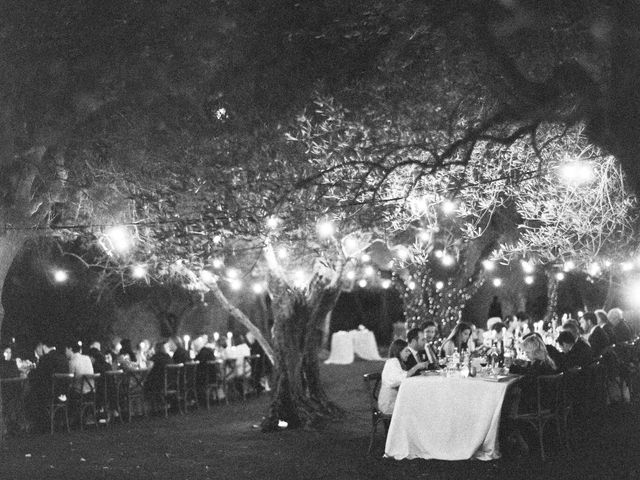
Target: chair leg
(541, 439)
(374, 428)
(66, 419)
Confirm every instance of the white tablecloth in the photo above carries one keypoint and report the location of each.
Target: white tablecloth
(446, 418)
(341, 348)
(364, 344)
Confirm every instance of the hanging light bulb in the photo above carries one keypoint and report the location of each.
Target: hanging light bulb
(439, 285)
(369, 271)
(488, 265)
(139, 271)
(569, 265)
(60, 276)
(447, 260)
(365, 258)
(207, 276)
(351, 275)
(217, 263)
(527, 267)
(411, 285)
(326, 229)
(233, 273)
(386, 283)
(362, 283)
(257, 288)
(448, 207)
(497, 282)
(235, 284)
(528, 279)
(560, 276)
(273, 222)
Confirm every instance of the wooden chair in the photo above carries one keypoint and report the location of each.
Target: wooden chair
(60, 399)
(113, 394)
(87, 398)
(133, 391)
(372, 386)
(215, 382)
(190, 386)
(173, 387)
(551, 406)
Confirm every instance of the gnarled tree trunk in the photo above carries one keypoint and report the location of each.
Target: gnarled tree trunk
(299, 398)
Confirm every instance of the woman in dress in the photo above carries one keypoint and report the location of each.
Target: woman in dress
(457, 339)
(393, 373)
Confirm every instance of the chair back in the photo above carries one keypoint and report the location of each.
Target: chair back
(214, 372)
(61, 386)
(173, 379)
(88, 384)
(372, 385)
(551, 393)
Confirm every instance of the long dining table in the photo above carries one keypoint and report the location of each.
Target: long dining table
(447, 418)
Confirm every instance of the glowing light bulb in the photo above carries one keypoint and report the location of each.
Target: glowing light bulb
(351, 275)
(362, 283)
(411, 285)
(273, 222)
(282, 253)
(120, 238)
(217, 263)
(438, 253)
(594, 269)
(528, 279)
(365, 257)
(447, 260)
(217, 239)
(577, 173)
(626, 266)
(439, 285)
(386, 283)
(560, 276)
(60, 276)
(488, 265)
(257, 288)
(527, 267)
(139, 271)
(233, 273)
(424, 235)
(326, 229)
(369, 271)
(448, 207)
(235, 284)
(569, 265)
(497, 282)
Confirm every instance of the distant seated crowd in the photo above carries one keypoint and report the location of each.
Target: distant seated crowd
(119, 356)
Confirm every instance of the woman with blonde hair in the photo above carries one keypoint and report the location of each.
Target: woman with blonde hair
(539, 361)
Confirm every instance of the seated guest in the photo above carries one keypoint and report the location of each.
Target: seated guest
(180, 354)
(621, 330)
(127, 358)
(394, 371)
(538, 363)
(576, 353)
(143, 354)
(457, 339)
(605, 325)
(8, 366)
(430, 330)
(596, 336)
(99, 362)
(79, 365)
(50, 361)
(204, 354)
(415, 343)
(154, 383)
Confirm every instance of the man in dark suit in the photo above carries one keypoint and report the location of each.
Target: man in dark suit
(415, 339)
(576, 352)
(597, 338)
(40, 379)
(430, 330)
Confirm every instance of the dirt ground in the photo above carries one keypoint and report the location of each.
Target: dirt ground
(223, 444)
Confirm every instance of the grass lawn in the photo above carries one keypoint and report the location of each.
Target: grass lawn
(223, 444)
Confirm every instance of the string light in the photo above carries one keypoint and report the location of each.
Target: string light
(448, 207)
(139, 271)
(411, 285)
(386, 283)
(438, 253)
(497, 282)
(273, 222)
(594, 269)
(217, 263)
(560, 276)
(527, 267)
(528, 279)
(257, 288)
(447, 260)
(424, 235)
(488, 265)
(577, 173)
(369, 271)
(119, 238)
(569, 265)
(362, 283)
(60, 276)
(217, 239)
(326, 229)
(351, 275)
(626, 266)
(233, 273)
(439, 285)
(365, 257)
(282, 253)
(235, 284)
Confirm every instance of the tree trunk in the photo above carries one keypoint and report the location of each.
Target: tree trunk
(299, 398)
(552, 297)
(10, 244)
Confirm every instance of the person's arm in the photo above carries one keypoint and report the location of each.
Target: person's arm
(392, 373)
